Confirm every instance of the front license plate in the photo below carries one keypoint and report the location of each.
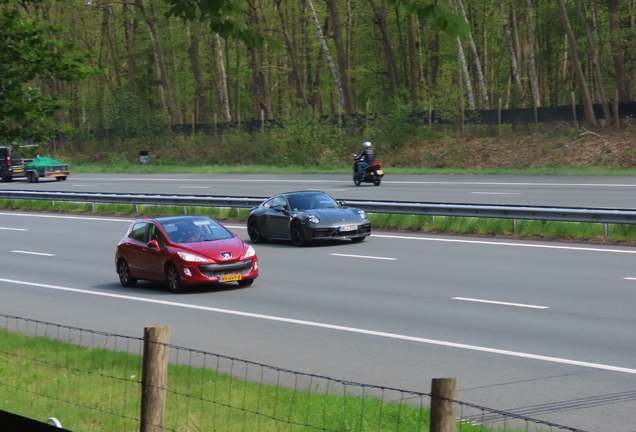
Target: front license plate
(348, 228)
(380, 172)
(230, 278)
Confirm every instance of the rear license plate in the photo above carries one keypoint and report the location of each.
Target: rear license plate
(380, 172)
(18, 170)
(230, 278)
(348, 228)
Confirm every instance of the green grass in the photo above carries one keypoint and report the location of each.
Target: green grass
(456, 225)
(93, 389)
(326, 169)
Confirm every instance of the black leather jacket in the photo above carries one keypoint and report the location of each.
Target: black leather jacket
(366, 155)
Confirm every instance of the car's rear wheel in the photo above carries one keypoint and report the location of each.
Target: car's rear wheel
(297, 234)
(173, 279)
(246, 282)
(254, 231)
(358, 239)
(124, 274)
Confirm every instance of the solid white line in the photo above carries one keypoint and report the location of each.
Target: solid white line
(588, 249)
(12, 229)
(193, 187)
(629, 278)
(496, 193)
(364, 256)
(339, 328)
(67, 217)
(32, 253)
(500, 303)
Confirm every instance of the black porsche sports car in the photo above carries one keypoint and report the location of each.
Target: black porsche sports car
(303, 217)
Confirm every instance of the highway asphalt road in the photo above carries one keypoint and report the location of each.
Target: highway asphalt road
(542, 329)
(564, 191)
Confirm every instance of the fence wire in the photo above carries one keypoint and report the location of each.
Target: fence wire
(91, 381)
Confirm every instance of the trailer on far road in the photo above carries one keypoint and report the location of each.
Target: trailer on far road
(41, 167)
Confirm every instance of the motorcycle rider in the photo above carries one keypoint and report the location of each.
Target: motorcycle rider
(365, 158)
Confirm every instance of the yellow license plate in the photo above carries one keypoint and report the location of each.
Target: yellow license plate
(18, 170)
(230, 278)
(380, 172)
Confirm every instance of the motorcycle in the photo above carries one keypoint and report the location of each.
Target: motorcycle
(372, 174)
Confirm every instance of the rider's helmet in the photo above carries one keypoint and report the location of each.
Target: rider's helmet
(366, 144)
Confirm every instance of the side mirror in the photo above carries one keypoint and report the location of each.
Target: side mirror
(154, 244)
(279, 208)
(341, 202)
(235, 234)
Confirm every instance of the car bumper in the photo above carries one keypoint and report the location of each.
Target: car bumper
(332, 233)
(193, 273)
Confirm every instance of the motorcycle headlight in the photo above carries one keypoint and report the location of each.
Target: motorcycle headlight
(186, 256)
(250, 251)
(362, 214)
(313, 218)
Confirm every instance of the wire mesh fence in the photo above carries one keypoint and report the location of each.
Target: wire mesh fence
(92, 381)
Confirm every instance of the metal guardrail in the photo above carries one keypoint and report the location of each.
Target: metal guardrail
(565, 214)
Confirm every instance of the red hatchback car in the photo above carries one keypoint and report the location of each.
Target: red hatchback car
(184, 250)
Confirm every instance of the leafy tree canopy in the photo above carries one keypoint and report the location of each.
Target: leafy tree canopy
(30, 54)
(218, 14)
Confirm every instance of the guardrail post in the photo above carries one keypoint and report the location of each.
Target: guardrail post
(606, 230)
(443, 409)
(154, 378)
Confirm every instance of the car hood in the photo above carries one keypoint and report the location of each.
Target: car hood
(337, 215)
(213, 249)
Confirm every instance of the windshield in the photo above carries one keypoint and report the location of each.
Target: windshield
(195, 230)
(311, 200)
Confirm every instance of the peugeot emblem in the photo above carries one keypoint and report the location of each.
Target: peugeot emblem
(226, 255)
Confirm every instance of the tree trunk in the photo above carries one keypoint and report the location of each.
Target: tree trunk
(130, 34)
(617, 50)
(325, 49)
(598, 76)
(341, 55)
(414, 75)
(225, 101)
(514, 65)
(532, 68)
(393, 75)
(578, 70)
(261, 90)
(101, 89)
(201, 107)
(469, 85)
(293, 59)
(480, 73)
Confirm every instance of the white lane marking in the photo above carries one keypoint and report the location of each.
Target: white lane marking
(364, 256)
(337, 327)
(79, 185)
(501, 303)
(629, 278)
(12, 229)
(67, 217)
(496, 193)
(32, 253)
(505, 244)
(193, 187)
(138, 179)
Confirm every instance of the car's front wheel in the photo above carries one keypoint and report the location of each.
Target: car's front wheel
(173, 279)
(254, 231)
(297, 234)
(124, 274)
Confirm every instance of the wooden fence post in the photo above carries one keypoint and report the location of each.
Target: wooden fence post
(443, 409)
(154, 379)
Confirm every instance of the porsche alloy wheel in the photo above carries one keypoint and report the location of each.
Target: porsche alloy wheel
(254, 231)
(124, 274)
(297, 234)
(173, 279)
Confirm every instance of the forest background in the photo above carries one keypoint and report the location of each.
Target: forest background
(342, 57)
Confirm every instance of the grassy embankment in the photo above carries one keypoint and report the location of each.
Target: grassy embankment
(93, 389)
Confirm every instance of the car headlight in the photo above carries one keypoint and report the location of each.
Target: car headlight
(186, 256)
(250, 251)
(362, 214)
(313, 218)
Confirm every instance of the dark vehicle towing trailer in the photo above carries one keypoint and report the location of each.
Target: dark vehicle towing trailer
(11, 164)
